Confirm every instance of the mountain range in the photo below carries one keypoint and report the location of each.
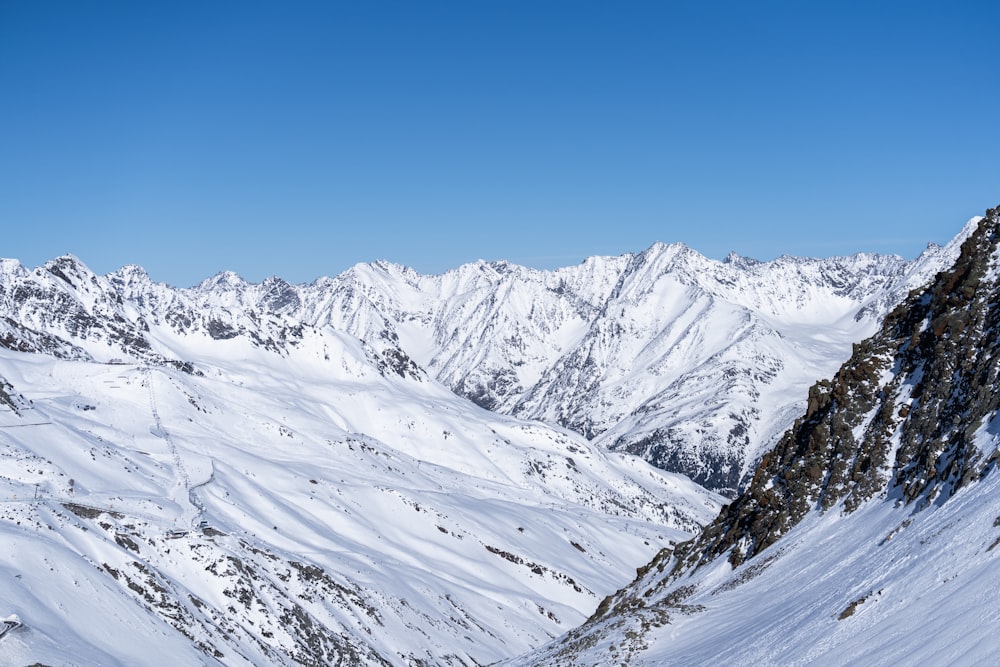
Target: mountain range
(693, 364)
(390, 468)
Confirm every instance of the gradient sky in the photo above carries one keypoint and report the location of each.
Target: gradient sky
(297, 139)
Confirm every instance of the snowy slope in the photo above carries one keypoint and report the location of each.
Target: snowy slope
(355, 516)
(868, 535)
(884, 586)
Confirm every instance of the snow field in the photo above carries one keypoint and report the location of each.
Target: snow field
(404, 521)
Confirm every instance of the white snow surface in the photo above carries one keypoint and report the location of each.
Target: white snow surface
(885, 585)
(380, 518)
(890, 583)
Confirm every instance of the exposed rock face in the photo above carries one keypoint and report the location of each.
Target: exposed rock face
(10, 398)
(909, 419)
(898, 418)
(904, 420)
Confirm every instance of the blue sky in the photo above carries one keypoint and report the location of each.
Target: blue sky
(297, 139)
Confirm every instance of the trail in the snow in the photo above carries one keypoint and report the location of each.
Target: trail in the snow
(197, 506)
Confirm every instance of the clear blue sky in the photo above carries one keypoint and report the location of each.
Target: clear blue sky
(297, 138)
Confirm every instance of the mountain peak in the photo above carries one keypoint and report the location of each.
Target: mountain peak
(659, 248)
(130, 274)
(307, 413)
(738, 261)
(12, 267)
(70, 269)
(224, 280)
(66, 261)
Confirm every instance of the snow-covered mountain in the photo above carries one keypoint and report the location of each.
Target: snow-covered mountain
(693, 364)
(355, 511)
(868, 535)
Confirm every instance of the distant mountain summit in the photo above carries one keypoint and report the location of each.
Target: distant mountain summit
(867, 534)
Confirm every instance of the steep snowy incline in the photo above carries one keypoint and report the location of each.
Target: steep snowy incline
(487, 330)
(869, 533)
(884, 586)
(355, 516)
